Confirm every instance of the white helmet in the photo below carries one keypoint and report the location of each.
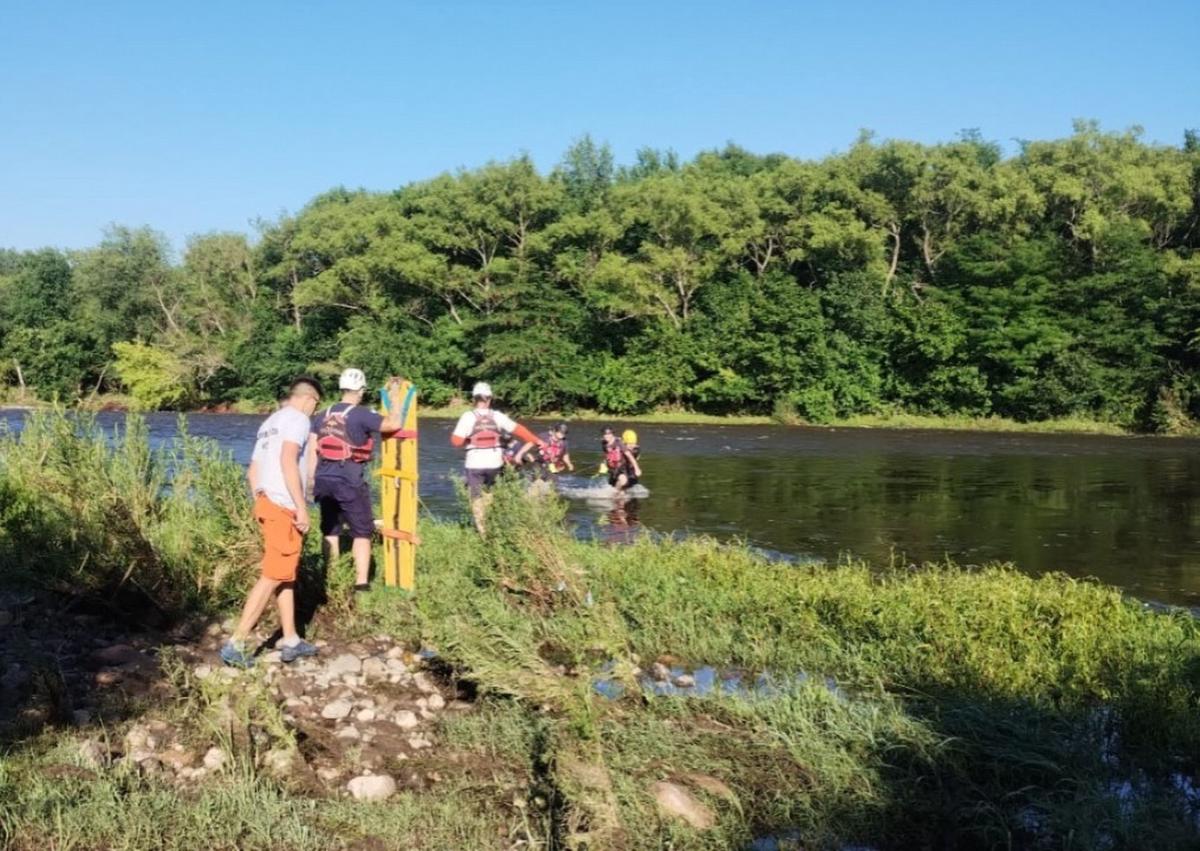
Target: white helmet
(352, 379)
(482, 388)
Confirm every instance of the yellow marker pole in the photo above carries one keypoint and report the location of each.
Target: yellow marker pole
(398, 491)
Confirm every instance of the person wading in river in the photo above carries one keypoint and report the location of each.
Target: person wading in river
(620, 461)
(553, 457)
(479, 432)
(276, 477)
(345, 435)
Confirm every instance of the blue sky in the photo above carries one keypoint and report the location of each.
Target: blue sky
(205, 116)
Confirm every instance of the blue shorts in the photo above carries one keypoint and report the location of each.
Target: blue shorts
(344, 504)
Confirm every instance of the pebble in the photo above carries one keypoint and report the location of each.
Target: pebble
(406, 719)
(336, 710)
(418, 743)
(435, 702)
(202, 672)
(396, 653)
(344, 664)
(685, 681)
(365, 715)
(214, 759)
(329, 773)
(660, 672)
(372, 787)
(348, 733)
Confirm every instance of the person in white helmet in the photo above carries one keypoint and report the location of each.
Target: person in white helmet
(344, 437)
(479, 431)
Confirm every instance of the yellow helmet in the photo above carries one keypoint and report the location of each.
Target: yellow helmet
(629, 436)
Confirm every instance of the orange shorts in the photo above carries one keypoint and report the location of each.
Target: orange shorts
(281, 540)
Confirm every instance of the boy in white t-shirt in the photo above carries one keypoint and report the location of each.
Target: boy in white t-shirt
(276, 477)
(480, 430)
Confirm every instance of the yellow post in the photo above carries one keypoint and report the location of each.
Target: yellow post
(398, 491)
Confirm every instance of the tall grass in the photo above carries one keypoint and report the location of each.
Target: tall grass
(85, 510)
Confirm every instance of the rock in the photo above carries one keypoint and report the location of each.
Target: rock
(372, 787)
(365, 715)
(214, 759)
(81, 717)
(419, 743)
(396, 654)
(271, 657)
(202, 672)
(374, 669)
(177, 758)
(329, 774)
(150, 767)
(292, 687)
(348, 733)
(660, 672)
(675, 801)
(108, 678)
(406, 719)
(344, 664)
(213, 630)
(435, 702)
(336, 710)
(116, 655)
(685, 681)
(711, 785)
(278, 762)
(423, 683)
(93, 754)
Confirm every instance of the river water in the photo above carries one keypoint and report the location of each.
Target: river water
(1124, 510)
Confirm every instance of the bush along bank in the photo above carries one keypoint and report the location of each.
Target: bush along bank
(971, 708)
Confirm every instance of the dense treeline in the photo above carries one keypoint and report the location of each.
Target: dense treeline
(943, 279)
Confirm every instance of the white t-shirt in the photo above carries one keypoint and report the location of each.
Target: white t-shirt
(483, 459)
(286, 424)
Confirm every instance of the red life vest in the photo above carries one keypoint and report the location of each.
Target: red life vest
(614, 455)
(333, 440)
(553, 450)
(485, 434)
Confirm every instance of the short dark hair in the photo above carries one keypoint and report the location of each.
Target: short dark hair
(306, 381)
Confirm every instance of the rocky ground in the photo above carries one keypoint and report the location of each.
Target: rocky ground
(358, 719)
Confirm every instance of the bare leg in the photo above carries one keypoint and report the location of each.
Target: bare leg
(256, 602)
(622, 482)
(285, 601)
(332, 548)
(478, 510)
(362, 559)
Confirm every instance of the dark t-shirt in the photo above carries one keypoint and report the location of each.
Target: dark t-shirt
(361, 424)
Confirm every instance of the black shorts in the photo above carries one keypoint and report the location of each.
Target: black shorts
(477, 480)
(615, 475)
(344, 504)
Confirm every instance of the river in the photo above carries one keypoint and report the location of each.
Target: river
(1124, 510)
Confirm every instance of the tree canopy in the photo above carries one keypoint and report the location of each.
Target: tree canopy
(946, 279)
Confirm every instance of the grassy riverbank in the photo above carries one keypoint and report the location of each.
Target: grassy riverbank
(939, 707)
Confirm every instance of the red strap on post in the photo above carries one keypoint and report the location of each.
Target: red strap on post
(399, 535)
(405, 434)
